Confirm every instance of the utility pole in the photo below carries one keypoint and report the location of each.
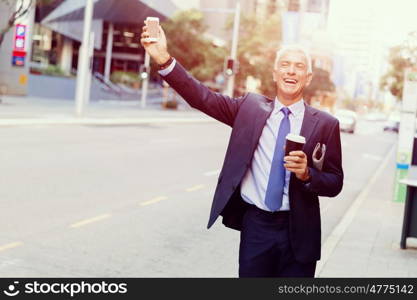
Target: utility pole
(233, 54)
(145, 80)
(89, 74)
(109, 51)
(83, 60)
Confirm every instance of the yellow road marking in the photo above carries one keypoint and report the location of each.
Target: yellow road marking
(10, 246)
(154, 200)
(212, 173)
(195, 188)
(91, 220)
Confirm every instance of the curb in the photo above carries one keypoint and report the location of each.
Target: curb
(98, 122)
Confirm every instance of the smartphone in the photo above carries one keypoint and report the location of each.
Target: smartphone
(153, 28)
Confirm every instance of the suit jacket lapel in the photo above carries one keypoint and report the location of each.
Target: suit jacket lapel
(309, 123)
(263, 114)
(307, 129)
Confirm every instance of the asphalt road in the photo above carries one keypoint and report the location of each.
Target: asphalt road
(134, 201)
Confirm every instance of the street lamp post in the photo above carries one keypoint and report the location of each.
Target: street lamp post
(145, 80)
(235, 38)
(88, 75)
(233, 54)
(83, 60)
(109, 50)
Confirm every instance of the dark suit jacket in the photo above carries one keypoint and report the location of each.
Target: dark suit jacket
(247, 116)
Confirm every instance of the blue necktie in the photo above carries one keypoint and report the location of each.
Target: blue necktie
(276, 182)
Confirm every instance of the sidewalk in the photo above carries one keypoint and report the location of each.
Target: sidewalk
(366, 243)
(37, 111)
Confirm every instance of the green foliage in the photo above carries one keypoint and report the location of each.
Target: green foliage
(321, 82)
(187, 43)
(359, 105)
(128, 78)
(51, 70)
(259, 39)
(400, 58)
(258, 43)
(349, 103)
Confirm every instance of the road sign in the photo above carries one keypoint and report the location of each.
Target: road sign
(406, 133)
(19, 44)
(19, 37)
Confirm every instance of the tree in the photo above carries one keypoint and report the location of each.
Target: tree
(17, 11)
(187, 43)
(321, 82)
(400, 58)
(259, 39)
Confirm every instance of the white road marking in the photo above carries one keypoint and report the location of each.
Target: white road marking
(325, 208)
(11, 262)
(90, 220)
(154, 200)
(10, 246)
(336, 235)
(165, 141)
(371, 156)
(195, 188)
(212, 173)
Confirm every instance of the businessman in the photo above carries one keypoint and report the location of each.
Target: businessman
(271, 199)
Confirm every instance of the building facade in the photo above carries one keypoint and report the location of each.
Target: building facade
(15, 50)
(354, 27)
(117, 26)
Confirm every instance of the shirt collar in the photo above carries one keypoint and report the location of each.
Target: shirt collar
(295, 108)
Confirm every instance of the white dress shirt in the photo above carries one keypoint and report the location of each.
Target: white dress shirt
(255, 181)
(168, 69)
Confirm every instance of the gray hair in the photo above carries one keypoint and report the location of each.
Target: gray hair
(294, 47)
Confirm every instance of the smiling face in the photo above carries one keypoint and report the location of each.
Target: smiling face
(292, 75)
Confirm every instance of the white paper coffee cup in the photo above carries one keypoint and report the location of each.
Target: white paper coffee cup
(294, 142)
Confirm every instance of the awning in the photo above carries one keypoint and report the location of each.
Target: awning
(121, 11)
(68, 17)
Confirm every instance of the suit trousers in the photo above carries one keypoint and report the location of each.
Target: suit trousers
(265, 248)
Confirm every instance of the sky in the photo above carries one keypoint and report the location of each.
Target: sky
(394, 19)
(397, 19)
(186, 4)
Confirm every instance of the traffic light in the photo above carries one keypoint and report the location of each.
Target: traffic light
(230, 67)
(293, 5)
(316, 6)
(144, 72)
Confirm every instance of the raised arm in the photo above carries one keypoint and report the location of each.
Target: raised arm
(216, 105)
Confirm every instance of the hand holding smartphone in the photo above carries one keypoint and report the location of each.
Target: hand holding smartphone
(153, 28)
(154, 41)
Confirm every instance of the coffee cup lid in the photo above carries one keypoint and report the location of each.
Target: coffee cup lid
(296, 138)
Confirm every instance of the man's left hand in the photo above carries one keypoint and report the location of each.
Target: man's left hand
(296, 162)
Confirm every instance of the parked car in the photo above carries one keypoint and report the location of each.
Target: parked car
(393, 123)
(347, 120)
(376, 116)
